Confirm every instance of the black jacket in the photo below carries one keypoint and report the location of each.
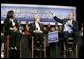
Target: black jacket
(8, 25)
(63, 21)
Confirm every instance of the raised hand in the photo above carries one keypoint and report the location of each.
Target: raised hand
(15, 29)
(52, 13)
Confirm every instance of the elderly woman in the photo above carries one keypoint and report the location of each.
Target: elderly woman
(37, 31)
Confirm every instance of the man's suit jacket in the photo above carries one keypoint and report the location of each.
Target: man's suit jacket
(33, 27)
(63, 21)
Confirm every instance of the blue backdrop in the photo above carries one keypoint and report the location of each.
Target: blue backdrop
(27, 12)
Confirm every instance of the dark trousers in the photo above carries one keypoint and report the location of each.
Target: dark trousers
(66, 34)
(14, 42)
(15, 38)
(14, 53)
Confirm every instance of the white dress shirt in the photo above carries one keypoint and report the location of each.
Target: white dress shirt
(13, 23)
(37, 26)
(68, 28)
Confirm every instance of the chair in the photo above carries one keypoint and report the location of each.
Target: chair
(70, 48)
(40, 49)
(7, 47)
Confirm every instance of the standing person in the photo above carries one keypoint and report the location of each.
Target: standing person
(12, 29)
(53, 43)
(60, 40)
(25, 49)
(46, 38)
(36, 26)
(81, 42)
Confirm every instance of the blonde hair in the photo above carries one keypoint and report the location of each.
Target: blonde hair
(36, 17)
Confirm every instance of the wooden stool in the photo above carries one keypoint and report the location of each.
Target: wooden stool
(70, 48)
(41, 49)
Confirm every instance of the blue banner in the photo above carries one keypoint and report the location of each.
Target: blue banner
(27, 12)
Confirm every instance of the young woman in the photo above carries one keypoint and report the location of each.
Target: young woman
(12, 30)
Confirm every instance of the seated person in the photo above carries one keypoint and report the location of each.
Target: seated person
(69, 27)
(36, 29)
(12, 29)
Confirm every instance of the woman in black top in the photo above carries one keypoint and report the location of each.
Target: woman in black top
(11, 27)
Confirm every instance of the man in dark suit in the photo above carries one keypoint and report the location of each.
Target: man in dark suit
(70, 26)
(12, 29)
(36, 29)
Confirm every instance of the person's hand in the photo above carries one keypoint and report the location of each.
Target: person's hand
(11, 28)
(52, 13)
(15, 29)
(40, 31)
(35, 31)
(23, 33)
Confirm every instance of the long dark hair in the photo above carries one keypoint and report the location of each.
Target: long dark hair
(10, 14)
